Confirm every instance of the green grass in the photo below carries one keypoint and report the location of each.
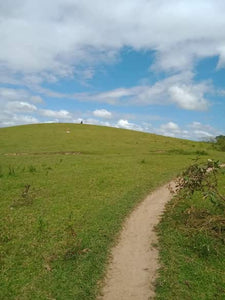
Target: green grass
(191, 244)
(65, 196)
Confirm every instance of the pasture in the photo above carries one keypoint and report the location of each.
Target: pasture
(65, 195)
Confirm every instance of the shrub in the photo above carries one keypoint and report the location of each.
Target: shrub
(202, 178)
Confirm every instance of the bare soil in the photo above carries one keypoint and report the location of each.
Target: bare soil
(134, 261)
(43, 153)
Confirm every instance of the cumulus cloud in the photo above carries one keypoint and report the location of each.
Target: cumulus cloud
(188, 97)
(17, 107)
(57, 35)
(43, 41)
(194, 131)
(203, 131)
(169, 129)
(170, 126)
(8, 119)
(61, 114)
(20, 106)
(178, 89)
(127, 125)
(12, 94)
(92, 121)
(102, 113)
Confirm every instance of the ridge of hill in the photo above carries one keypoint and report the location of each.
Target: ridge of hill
(86, 139)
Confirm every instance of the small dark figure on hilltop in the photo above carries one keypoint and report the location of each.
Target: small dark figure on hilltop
(81, 122)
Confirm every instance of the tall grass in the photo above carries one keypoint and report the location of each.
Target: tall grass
(191, 239)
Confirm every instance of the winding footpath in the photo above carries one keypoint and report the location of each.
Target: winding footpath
(134, 260)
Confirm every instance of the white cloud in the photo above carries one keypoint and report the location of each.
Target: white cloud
(115, 94)
(20, 106)
(127, 125)
(96, 122)
(42, 41)
(188, 97)
(169, 129)
(202, 131)
(36, 99)
(54, 36)
(102, 113)
(170, 126)
(16, 106)
(11, 94)
(61, 114)
(178, 89)
(193, 131)
(13, 119)
(203, 134)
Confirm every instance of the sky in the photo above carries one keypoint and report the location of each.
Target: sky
(150, 65)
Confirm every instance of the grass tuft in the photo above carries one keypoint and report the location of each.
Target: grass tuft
(32, 169)
(11, 171)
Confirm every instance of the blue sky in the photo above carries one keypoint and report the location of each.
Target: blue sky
(154, 66)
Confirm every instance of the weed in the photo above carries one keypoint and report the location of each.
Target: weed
(201, 178)
(203, 245)
(23, 169)
(180, 152)
(41, 225)
(1, 172)
(11, 171)
(72, 243)
(5, 236)
(201, 152)
(72, 248)
(187, 152)
(32, 169)
(26, 198)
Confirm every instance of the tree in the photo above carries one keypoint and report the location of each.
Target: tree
(220, 141)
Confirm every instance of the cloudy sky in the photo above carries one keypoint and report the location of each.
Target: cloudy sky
(150, 65)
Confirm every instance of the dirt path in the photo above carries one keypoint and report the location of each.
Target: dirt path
(41, 153)
(133, 267)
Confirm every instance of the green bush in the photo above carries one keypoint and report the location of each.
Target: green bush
(220, 142)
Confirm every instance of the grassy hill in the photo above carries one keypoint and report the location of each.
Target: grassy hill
(87, 139)
(65, 195)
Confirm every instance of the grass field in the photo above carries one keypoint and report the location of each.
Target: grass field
(65, 195)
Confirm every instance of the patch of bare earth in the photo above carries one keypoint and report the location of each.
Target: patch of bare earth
(134, 263)
(43, 153)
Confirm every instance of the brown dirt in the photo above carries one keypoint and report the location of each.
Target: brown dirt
(134, 263)
(43, 153)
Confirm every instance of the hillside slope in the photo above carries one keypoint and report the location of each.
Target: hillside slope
(64, 197)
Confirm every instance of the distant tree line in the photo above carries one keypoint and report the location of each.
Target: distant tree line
(220, 142)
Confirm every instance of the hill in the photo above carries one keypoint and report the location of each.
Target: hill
(65, 191)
